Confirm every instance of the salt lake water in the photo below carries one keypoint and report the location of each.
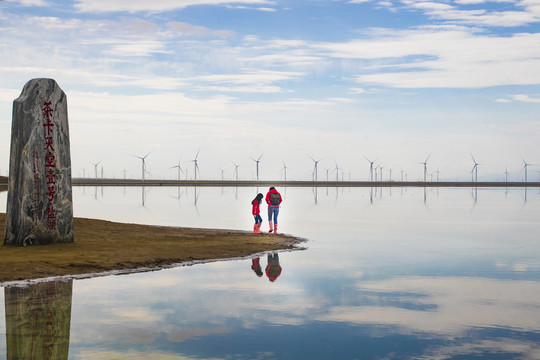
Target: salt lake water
(391, 273)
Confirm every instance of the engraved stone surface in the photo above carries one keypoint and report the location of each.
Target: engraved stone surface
(39, 204)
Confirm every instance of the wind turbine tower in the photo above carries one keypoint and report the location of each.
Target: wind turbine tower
(316, 162)
(257, 165)
(525, 165)
(425, 167)
(179, 169)
(370, 168)
(474, 171)
(284, 170)
(336, 169)
(196, 165)
(236, 170)
(143, 169)
(95, 167)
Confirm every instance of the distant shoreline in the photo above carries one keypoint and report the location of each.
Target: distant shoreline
(292, 183)
(252, 183)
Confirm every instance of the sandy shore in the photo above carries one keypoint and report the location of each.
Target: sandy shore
(102, 246)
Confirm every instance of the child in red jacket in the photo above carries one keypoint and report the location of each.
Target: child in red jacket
(256, 211)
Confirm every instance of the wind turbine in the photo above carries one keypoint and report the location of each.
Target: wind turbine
(370, 168)
(525, 164)
(95, 167)
(236, 170)
(179, 169)
(143, 163)
(336, 169)
(474, 171)
(284, 170)
(195, 165)
(316, 162)
(437, 172)
(257, 163)
(425, 167)
(506, 174)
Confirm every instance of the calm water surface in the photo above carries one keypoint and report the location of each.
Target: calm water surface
(388, 274)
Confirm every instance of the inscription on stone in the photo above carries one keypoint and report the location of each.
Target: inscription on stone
(39, 208)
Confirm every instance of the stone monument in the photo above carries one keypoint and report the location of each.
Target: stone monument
(39, 203)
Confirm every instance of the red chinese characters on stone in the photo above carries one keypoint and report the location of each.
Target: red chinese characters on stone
(35, 168)
(50, 165)
(47, 113)
(48, 143)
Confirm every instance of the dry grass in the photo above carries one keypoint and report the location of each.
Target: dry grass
(103, 245)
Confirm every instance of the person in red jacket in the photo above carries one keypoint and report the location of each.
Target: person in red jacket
(273, 199)
(256, 211)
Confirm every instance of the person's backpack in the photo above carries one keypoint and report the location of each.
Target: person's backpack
(274, 198)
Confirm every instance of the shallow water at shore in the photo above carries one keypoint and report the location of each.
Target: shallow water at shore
(389, 273)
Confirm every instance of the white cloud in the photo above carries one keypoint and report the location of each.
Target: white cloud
(445, 59)
(525, 12)
(98, 6)
(185, 29)
(30, 2)
(525, 98)
(136, 48)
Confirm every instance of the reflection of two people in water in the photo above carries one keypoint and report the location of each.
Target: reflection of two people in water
(273, 269)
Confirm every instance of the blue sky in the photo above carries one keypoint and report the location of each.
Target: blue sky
(339, 80)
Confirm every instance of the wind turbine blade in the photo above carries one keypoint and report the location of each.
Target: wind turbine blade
(196, 155)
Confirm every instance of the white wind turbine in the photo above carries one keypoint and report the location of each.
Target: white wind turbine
(425, 167)
(474, 171)
(370, 168)
(257, 164)
(179, 168)
(236, 170)
(524, 168)
(284, 170)
(196, 164)
(336, 169)
(315, 171)
(143, 158)
(95, 167)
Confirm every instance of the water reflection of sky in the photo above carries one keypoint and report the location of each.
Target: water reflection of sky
(393, 273)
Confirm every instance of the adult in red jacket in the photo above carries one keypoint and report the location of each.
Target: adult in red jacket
(273, 199)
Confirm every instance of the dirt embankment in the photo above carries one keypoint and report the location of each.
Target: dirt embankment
(101, 246)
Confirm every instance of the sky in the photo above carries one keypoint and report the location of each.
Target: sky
(340, 81)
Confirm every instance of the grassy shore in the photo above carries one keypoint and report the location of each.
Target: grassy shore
(102, 246)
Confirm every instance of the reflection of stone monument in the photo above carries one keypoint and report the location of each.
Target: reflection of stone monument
(38, 320)
(39, 205)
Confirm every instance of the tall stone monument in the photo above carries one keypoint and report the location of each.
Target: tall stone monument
(39, 203)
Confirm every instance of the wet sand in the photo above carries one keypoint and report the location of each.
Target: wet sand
(103, 246)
